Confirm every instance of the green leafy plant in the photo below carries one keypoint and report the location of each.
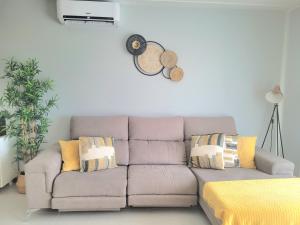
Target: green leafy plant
(25, 107)
(2, 126)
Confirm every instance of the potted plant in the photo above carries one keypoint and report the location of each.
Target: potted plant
(2, 126)
(26, 108)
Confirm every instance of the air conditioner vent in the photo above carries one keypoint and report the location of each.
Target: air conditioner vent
(89, 18)
(88, 11)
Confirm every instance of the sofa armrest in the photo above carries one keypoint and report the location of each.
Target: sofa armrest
(39, 176)
(271, 164)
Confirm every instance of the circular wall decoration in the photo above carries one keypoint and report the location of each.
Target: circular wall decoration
(136, 44)
(150, 58)
(149, 62)
(176, 74)
(166, 73)
(168, 59)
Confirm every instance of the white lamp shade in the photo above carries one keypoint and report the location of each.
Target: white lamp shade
(275, 96)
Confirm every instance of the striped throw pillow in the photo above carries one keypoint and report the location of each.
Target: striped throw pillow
(231, 157)
(207, 151)
(96, 153)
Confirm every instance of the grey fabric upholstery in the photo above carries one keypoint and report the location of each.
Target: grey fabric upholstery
(157, 175)
(162, 200)
(39, 176)
(110, 182)
(122, 152)
(209, 213)
(89, 203)
(156, 141)
(157, 152)
(207, 175)
(36, 194)
(271, 164)
(97, 126)
(208, 125)
(188, 149)
(156, 129)
(161, 180)
(104, 126)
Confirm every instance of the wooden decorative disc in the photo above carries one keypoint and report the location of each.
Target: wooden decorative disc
(149, 61)
(168, 59)
(176, 74)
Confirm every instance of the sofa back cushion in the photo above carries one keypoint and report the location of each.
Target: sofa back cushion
(102, 126)
(206, 125)
(156, 140)
(156, 129)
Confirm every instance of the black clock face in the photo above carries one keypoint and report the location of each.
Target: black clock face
(136, 44)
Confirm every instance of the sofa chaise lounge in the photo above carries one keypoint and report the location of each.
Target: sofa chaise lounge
(152, 155)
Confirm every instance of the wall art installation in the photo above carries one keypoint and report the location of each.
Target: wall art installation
(150, 58)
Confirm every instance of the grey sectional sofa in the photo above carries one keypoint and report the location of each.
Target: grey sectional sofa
(152, 156)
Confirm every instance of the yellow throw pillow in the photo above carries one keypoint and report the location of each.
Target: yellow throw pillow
(246, 151)
(70, 155)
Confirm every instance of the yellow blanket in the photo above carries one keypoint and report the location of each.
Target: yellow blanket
(255, 202)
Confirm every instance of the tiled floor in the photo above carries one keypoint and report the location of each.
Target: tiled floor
(13, 212)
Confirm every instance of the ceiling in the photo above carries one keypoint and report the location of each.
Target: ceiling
(284, 4)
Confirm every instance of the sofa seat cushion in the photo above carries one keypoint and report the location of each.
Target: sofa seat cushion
(161, 180)
(110, 182)
(207, 175)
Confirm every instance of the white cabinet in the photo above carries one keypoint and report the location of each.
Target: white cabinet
(8, 166)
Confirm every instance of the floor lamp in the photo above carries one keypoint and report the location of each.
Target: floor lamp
(275, 97)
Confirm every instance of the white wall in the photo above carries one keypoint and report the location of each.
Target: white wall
(291, 116)
(231, 57)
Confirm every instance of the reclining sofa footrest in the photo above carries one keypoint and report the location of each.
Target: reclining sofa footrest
(89, 203)
(162, 200)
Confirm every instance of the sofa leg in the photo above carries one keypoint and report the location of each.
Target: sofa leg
(28, 214)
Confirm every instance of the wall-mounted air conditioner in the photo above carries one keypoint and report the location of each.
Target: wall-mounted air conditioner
(88, 11)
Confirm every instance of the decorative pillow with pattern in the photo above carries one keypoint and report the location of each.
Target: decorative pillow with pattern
(96, 153)
(207, 151)
(231, 157)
